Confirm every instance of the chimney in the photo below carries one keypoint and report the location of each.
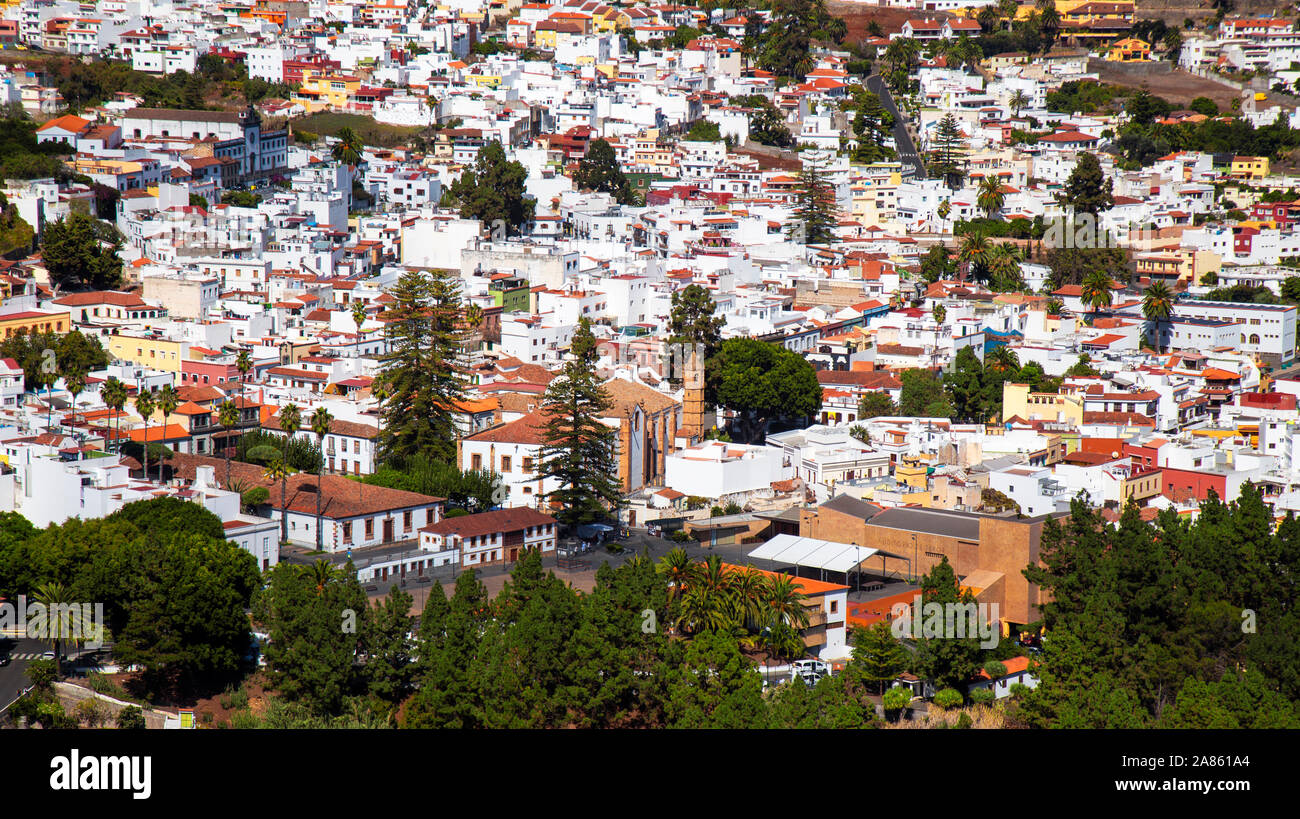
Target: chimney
(205, 477)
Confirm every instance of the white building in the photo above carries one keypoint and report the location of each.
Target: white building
(715, 469)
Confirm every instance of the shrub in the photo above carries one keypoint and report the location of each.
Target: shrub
(982, 696)
(101, 684)
(1019, 690)
(245, 720)
(256, 496)
(964, 721)
(995, 669)
(91, 712)
(131, 718)
(233, 700)
(897, 698)
(948, 698)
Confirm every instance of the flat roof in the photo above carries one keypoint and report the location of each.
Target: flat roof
(813, 553)
(959, 525)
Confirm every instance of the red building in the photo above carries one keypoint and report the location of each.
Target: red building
(1284, 213)
(293, 69)
(210, 373)
(1180, 485)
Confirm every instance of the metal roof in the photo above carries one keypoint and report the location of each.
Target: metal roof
(813, 553)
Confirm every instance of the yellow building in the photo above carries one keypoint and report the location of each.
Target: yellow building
(1019, 402)
(1181, 264)
(34, 321)
(155, 353)
(1129, 50)
(611, 19)
(874, 192)
(1249, 167)
(323, 89)
(484, 80)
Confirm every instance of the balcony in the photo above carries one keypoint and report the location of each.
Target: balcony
(816, 617)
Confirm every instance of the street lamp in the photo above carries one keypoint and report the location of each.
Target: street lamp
(914, 556)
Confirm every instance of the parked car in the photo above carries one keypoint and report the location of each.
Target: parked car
(809, 671)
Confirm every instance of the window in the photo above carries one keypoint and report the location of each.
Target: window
(476, 461)
(505, 463)
(347, 531)
(356, 447)
(370, 528)
(406, 519)
(835, 606)
(528, 464)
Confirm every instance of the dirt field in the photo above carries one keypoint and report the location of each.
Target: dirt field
(857, 15)
(1180, 87)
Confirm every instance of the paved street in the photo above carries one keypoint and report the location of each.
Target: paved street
(906, 148)
(13, 677)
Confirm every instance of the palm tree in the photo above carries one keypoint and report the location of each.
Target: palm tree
(1002, 359)
(1018, 101)
(974, 254)
(167, 402)
(114, 394)
(322, 573)
(748, 588)
(1004, 266)
(1007, 9)
(1096, 290)
(990, 196)
(243, 363)
(348, 148)
(784, 603)
(945, 208)
(290, 423)
(64, 618)
(474, 315)
(678, 569)
(939, 313)
(280, 471)
(228, 415)
(1158, 306)
(706, 603)
(320, 424)
(144, 404)
(358, 316)
(75, 384)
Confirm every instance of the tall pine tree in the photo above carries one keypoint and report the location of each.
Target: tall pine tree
(425, 375)
(577, 448)
(814, 211)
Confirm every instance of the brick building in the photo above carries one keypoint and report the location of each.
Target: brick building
(988, 552)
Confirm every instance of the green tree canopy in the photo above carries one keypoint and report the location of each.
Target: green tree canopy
(762, 382)
(492, 191)
(81, 252)
(599, 171)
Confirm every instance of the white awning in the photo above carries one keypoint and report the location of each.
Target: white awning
(813, 553)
